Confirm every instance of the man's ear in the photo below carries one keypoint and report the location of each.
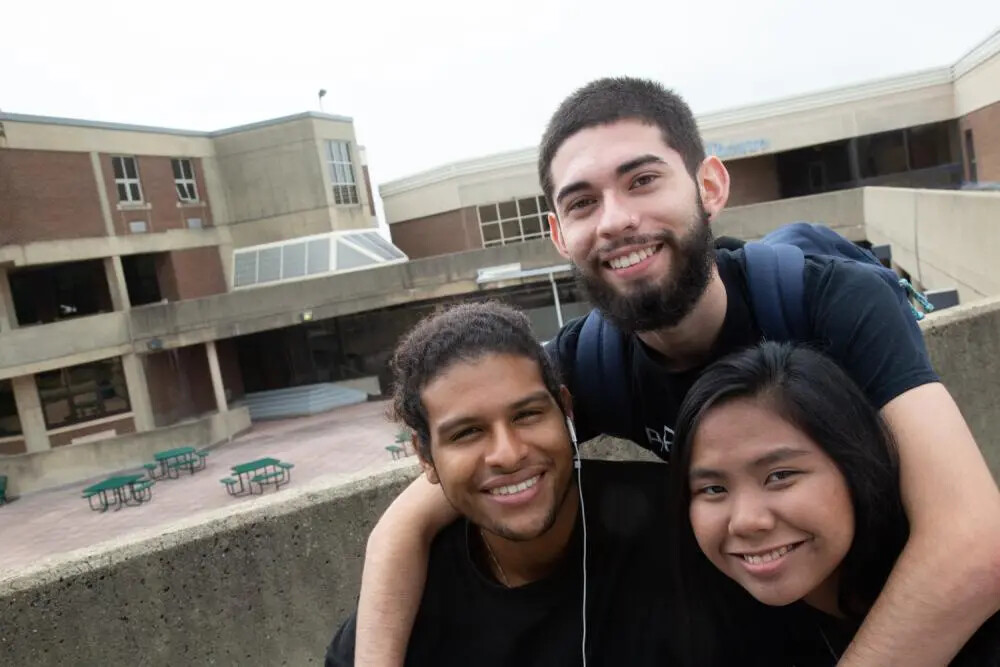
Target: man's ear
(555, 231)
(713, 185)
(427, 466)
(566, 399)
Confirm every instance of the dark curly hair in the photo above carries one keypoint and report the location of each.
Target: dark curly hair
(461, 333)
(609, 100)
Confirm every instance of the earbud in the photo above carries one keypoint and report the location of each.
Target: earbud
(572, 431)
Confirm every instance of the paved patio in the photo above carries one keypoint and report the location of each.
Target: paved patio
(49, 522)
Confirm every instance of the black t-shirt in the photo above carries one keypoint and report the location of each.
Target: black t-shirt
(854, 318)
(814, 639)
(467, 618)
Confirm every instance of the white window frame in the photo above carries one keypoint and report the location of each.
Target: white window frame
(186, 185)
(125, 182)
(519, 216)
(342, 175)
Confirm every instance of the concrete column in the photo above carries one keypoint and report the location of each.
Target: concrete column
(29, 410)
(8, 316)
(115, 275)
(102, 194)
(138, 392)
(216, 372)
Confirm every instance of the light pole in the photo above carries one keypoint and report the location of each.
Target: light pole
(322, 94)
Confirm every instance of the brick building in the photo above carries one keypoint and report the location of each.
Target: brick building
(934, 129)
(99, 220)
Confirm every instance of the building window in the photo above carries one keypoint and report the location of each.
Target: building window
(187, 191)
(513, 221)
(126, 179)
(970, 156)
(345, 188)
(83, 393)
(10, 420)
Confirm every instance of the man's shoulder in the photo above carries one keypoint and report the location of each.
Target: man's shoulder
(625, 498)
(561, 348)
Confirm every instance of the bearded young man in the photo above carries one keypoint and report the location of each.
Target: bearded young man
(633, 193)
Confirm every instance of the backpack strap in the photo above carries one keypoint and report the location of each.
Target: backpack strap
(777, 290)
(600, 378)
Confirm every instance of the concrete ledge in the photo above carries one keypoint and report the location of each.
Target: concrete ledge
(964, 344)
(264, 583)
(71, 463)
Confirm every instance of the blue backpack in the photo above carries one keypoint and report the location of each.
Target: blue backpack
(775, 266)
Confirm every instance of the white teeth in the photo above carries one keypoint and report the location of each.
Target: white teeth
(629, 260)
(514, 488)
(768, 557)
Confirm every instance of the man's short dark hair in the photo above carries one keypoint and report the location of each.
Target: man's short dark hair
(609, 100)
(462, 333)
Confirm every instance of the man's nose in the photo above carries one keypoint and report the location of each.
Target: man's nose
(507, 449)
(750, 515)
(617, 217)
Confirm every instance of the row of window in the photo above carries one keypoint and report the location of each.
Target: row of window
(70, 395)
(130, 189)
(345, 187)
(514, 221)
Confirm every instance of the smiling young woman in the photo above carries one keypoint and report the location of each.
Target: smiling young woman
(786, 482)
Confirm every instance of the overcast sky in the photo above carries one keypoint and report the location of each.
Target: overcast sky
(432, 81)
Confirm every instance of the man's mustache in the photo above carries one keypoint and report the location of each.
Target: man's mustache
(666, 237)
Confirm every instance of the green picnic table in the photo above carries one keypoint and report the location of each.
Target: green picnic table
(260, 471)
(126, 490)
(172, 461)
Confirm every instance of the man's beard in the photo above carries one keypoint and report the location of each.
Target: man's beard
(649, 306)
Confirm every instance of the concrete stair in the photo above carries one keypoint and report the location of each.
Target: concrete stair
(300, 401)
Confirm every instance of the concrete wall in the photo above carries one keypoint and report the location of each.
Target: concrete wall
(843, 210)
(267, 581)
(75, 462)
(944, 239)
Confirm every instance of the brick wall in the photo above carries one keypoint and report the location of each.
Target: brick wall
(48, 195)
(453, 231)
(985, 126)
(180, 384)
(191, 274)
(753, 180)
(15, 446)
(160, 208)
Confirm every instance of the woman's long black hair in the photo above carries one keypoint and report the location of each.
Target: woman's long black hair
(717, 617)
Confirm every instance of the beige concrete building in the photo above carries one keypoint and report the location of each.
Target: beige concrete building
(934, 129)
(98, 220)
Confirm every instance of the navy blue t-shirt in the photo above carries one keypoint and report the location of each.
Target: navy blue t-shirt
(854, 318)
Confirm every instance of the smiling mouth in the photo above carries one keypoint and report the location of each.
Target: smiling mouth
(511, 489)
(769, 556)
(625, 261)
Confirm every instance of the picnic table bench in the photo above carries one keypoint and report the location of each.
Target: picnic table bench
(170, 462)
(124, 490)
(260, 472)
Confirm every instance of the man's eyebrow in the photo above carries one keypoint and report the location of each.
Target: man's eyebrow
(450, 424)
(640, 161)
(539, 395)
(567, 190)
(620, 170)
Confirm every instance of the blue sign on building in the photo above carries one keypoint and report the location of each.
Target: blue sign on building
(737, 149)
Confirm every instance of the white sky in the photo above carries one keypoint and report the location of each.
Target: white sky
(432, 81)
